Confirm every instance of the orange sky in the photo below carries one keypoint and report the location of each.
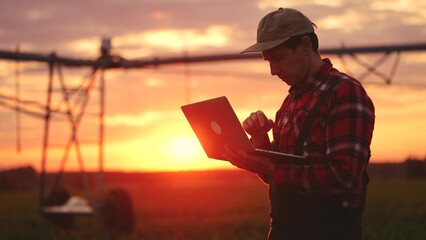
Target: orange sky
(144, 126)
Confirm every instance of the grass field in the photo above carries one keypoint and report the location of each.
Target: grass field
(212, 205)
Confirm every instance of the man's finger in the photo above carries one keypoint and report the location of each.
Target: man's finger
(261, 118)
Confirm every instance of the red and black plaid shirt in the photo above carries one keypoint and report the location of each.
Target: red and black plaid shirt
(337, 148)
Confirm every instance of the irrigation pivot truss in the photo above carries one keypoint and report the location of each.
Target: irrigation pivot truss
(74, 101)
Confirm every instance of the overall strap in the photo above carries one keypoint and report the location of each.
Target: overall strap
(310, 118)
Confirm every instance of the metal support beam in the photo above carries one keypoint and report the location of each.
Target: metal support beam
(110, 61)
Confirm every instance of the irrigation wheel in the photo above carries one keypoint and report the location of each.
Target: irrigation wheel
(117, 211)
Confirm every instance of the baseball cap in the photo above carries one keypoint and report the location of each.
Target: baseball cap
(278, 26)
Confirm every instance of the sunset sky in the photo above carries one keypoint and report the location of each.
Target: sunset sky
(145, 129)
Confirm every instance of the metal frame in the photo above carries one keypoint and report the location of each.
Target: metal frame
(108, 61)
(74, 116)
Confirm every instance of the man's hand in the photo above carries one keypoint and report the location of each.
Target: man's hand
(258, 126)
(255, 164)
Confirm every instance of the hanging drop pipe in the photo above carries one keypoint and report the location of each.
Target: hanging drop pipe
(18, 105)
(46, 133)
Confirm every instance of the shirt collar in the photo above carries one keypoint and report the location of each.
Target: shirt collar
(314, 81)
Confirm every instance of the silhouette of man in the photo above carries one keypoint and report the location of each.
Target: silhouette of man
(328, 118)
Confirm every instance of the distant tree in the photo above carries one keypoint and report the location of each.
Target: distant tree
(22, 178)
(415, 168)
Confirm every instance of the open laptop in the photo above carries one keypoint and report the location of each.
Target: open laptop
(216, 125)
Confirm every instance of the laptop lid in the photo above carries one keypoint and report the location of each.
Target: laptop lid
(216, 125)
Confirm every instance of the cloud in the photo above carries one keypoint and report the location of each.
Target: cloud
(411, 12)
(399, 5)
(347, 22)
(161, 15)
(177, 39)
(5, 67)
(66, 26)
(155, 82)
(407, 99)
(166, 40)
(275, 4)
(141, 120)
(88, 46)
(418, 58)
(46, 25)
(37, 15)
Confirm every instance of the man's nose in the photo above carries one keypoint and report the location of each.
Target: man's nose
(274, 69)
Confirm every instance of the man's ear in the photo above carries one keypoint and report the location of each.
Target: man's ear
(306, 44)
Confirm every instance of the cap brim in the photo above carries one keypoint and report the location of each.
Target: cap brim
(263, 46)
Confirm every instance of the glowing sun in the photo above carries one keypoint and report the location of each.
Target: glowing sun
(185, 147)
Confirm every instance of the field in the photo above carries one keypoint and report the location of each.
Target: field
(210, 205)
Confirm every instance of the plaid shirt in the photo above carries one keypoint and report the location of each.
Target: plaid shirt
(337, 148)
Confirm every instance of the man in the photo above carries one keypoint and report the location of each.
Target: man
(328, 118)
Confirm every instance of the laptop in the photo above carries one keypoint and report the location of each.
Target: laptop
(215, 124)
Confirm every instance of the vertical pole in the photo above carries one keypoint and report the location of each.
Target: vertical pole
(101, 134)
(187, 79)
(46, 133)
(18, 105)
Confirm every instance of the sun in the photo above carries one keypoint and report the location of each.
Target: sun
(185, 147)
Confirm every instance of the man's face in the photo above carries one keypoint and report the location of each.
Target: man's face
(290, 66)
